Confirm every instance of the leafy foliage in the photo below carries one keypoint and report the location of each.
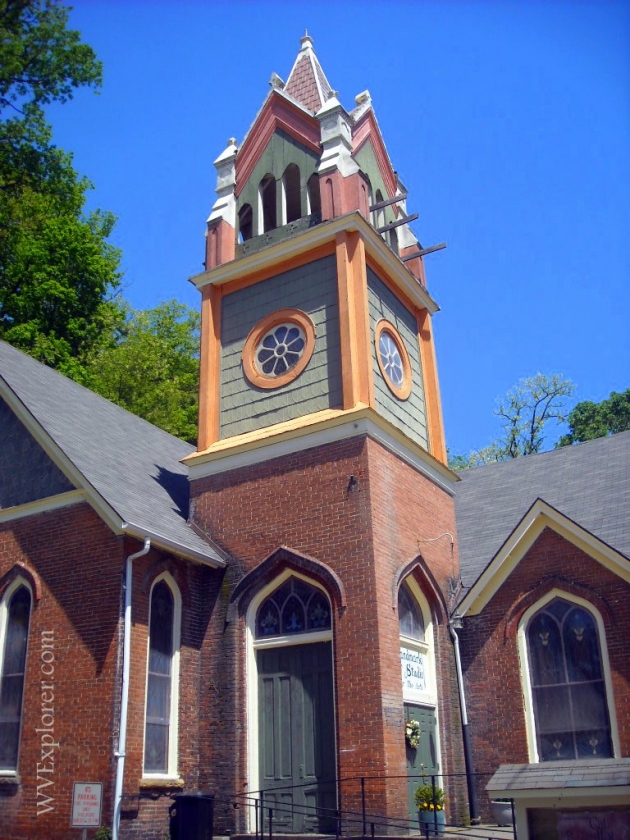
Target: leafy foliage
(526, 410)
(590, 420)
(152, 367)
(428, 798)
(58, 274)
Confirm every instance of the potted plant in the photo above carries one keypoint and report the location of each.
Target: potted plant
(430, 804)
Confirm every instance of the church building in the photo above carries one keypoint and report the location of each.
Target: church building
(309, 612)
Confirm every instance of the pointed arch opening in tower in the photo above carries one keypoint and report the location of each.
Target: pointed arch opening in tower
(245, 223)
(314, 196)
(419, 683)
(292, 743)
(292, 199)
(378, 219)
(267, 204)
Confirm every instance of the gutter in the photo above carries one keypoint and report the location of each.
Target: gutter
(456, 624)
(119, 755)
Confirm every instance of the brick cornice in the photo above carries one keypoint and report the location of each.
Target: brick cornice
(419, 569)
(282, 558)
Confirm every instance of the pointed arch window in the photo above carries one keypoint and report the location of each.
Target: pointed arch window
(267, 199)
(294, 607)
(160, 741)
(14, 623)
(409, 615)
(313, 194)
(292, 198)
(568, 686)
(245, 222)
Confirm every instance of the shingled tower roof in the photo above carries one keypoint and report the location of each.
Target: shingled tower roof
(307, 81)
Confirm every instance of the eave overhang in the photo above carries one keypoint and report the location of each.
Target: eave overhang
(86, 492)
(375, 248)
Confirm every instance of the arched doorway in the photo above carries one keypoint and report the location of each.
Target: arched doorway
(292, 720)
(419, 686)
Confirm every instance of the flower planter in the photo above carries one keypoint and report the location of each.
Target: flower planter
(426, 820)
(502, 811)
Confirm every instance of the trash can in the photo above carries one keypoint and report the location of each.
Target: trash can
(191, 816)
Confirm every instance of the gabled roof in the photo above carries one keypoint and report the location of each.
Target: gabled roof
(588, 483)
(307, 82)
(130, 470)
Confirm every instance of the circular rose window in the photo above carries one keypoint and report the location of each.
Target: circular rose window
(278, 348)
(393, 359)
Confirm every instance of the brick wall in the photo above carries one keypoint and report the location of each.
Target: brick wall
(77, 564)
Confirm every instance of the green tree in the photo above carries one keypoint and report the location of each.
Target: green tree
(58, 274)
(589, 420)
(152, 368)
(525, 411)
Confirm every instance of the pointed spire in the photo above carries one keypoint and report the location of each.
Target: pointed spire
(307, 81)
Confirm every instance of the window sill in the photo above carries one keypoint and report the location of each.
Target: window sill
(9, 780)
(158, 784)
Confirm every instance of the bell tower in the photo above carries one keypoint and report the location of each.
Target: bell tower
(309, 239)
(321, 459)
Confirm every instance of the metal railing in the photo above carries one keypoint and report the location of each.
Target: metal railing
(353, 807)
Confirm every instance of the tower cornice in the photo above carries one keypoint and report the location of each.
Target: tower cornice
(272, 257)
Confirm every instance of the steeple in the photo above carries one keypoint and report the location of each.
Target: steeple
(307, 82)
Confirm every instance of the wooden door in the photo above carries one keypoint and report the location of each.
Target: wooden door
(423, 759)
(296, 737)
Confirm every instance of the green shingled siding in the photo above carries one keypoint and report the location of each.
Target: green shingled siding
(279, 153)
(408, 415)
(311, 288)
(368, 164)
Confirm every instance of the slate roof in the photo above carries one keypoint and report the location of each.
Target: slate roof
(588, 483)
(131, 464)
(562, 775)
(307, 82)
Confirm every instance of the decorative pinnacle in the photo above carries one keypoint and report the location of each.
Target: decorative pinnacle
(306, 41)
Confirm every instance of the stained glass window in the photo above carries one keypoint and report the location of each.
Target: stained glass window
(294, 607)
(409, 615)
(159, 684)
(12, 675)
(568, 688)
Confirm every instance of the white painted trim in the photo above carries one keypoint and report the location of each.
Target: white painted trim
(173, 739)
(346, 425)
(6, 597)
(61, 500)
(285, 249)
(523, 655)
(252, 645)
(540, 515)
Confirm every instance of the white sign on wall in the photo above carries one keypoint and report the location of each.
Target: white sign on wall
(413, 665)
(86, 804)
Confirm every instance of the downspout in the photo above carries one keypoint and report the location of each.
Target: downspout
(456, 624)
(119, 755)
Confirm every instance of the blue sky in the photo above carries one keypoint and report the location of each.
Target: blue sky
(508, 122)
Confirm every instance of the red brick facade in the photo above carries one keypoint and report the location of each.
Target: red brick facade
(365, 532)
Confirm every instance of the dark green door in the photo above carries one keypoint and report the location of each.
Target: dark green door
(422, 759)
(297, 737)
